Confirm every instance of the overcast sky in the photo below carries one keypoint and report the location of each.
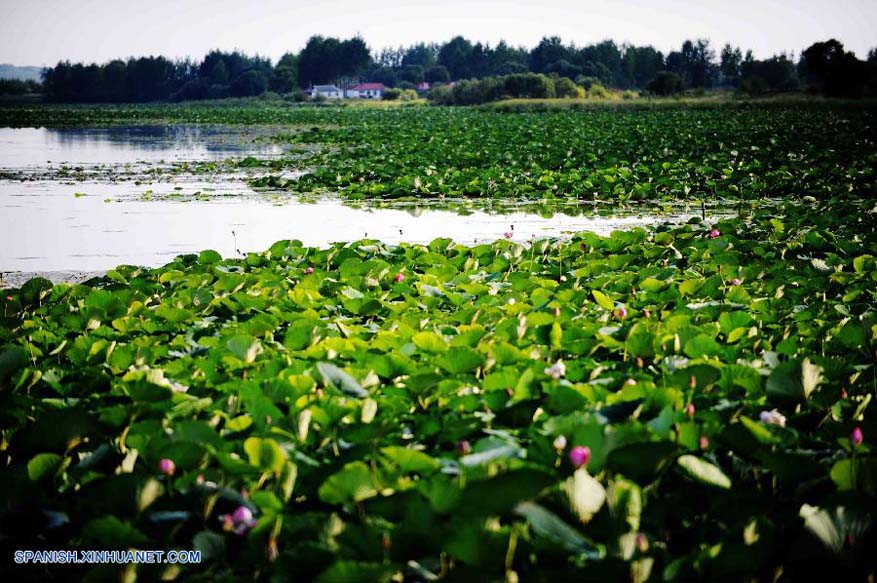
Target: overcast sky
(40, 32)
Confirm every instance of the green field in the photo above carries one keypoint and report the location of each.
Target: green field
(418, 412)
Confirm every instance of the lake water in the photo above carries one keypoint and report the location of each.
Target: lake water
(34, 148)
(58, 225)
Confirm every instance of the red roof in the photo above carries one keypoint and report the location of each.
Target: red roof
(369, 87)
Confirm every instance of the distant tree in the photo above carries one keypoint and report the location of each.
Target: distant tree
(480, 60)
(564, 87)
(18, 87)
(437, 74)
(150, 79)
(607, 54)
(549, 50)
(871, 67)
(597, 70)
(422, 54)
(218, 73)
(832, 70)
(665, 83)
(695, 63)
(563, 68)
(505, 59)
(640, 65)
(285, 76)
(775, 74)
(325, 60)
(454, 55)
(730, 62)
(194, 89)
(318, 61)
(249, 83)
(391, 58)
(511, 68)
(355, 57)
(381, 74)
(412, 74)
(586, 82)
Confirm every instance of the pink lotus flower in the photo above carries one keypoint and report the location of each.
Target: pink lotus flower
(508, 234)
(703, 442)
(689, 410)
(167, 467)
(856, 437)
(579, 456)
(736, 281)
(309, 270)
(621, 312)
(463, 448)
(239, 521)
(399, 278)
(715, 233)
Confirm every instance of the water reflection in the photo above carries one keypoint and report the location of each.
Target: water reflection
(62, 225)
(46, 227)
(35, 147)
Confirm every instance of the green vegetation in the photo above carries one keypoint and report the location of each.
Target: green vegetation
(824, 67)
(385, 410)
(609, 154)
(684, 402)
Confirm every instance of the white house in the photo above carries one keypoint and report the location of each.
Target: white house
(366, 91)
(327, 91)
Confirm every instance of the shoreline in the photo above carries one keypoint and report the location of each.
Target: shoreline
(15, 279)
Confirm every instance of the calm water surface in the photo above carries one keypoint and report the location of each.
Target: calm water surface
(35, 148)
(52, 225)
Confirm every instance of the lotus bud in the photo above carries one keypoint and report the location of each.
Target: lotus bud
(642, 543)
(167, 467)
(580, 456)
(856, 437)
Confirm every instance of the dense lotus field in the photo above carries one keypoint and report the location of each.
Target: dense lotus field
(689, 402)
(684, 402)
(620, 154)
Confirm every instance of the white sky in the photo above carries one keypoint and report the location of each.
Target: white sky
(41, 32)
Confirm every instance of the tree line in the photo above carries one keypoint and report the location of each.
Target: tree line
(824, 67)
